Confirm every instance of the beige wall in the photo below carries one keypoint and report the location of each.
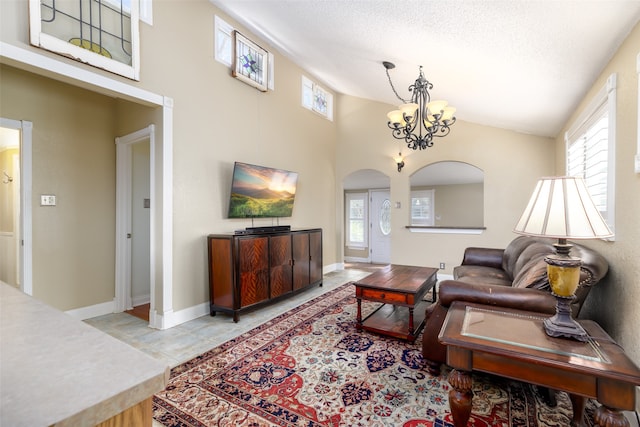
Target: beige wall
(73, 159)
(512, 163)
(614, 302)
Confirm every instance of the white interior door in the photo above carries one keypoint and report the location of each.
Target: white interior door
(140, 225)
(380, 226)
(135, 280)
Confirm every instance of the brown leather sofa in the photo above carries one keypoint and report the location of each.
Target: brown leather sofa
(515, 277)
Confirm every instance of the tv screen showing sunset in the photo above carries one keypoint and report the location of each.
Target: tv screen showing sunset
(258, 191)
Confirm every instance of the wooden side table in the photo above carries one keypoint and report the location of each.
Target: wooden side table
(512, 343)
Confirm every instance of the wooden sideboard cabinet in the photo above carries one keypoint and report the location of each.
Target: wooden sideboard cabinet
(247, 270)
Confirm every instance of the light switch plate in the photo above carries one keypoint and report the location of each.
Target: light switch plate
(47, 200)
(637, 163)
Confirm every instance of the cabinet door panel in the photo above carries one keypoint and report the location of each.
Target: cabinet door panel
(221, 272)
(300, 242)
(280, 260)
(253, 270)
(315, 256)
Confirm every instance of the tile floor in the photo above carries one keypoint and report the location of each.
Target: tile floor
(183, 342)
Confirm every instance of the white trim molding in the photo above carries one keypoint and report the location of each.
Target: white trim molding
(91, 311)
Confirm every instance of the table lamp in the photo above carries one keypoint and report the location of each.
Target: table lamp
(562, 208)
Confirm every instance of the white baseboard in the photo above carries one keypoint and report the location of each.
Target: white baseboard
(332, 267)
(174, 318)
(92, 311)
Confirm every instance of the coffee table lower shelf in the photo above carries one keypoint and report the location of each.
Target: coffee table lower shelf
(396, 321)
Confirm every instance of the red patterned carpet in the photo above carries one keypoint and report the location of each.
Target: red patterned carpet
(310, 367)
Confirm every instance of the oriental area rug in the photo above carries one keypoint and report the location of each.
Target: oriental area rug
(311, 367)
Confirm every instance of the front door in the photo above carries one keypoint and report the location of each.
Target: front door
(380, 226)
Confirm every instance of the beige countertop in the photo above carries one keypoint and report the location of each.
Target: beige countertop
(55, 369)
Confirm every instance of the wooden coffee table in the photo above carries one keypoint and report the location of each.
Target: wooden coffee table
(401, 288)
(512, 343)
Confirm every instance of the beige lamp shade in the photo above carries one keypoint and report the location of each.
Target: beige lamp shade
(561, 207)
(409, 109)
(448, 113)
(436, 107)
(395, 117)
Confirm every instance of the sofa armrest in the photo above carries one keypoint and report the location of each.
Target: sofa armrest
(483, 256)
(498, 296)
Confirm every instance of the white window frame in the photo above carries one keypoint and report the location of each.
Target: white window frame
(146, 11)
(364, 196)
(223, 48)
(423, 194)
(307, 91)
(54, 44)
(603, 102)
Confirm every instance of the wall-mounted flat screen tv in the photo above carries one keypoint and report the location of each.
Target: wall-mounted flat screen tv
(261, 192)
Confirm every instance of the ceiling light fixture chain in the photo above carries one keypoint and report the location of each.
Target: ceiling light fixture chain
(419, 121)
(389, 66)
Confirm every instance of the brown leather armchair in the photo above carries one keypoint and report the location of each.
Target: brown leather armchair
(515, 277)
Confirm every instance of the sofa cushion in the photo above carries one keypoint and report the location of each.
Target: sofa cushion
(481, 274)
(533, 274)
(485, 281)
(512, 253)
(534, 251)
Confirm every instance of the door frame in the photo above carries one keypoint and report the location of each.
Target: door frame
(124, 146)
(25, 229)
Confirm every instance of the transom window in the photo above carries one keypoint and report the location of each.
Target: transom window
(224, 48)
(316, 98)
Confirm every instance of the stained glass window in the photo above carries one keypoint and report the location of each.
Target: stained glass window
(103, 33)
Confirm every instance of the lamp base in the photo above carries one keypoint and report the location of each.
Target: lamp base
(562, 324)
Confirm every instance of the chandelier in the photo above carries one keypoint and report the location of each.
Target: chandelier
(419, 120)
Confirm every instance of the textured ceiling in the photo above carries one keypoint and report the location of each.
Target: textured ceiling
(516, 64)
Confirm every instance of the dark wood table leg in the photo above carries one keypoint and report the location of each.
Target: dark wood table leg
(578, 403)
(460, 397)
(609, 417)
(411, 323)
(359, 314)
